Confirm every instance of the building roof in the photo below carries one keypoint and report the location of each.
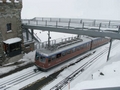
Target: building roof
(12, 40)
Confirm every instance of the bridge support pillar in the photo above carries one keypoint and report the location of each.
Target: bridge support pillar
(109, 50)
(32, 32)
(27, 35)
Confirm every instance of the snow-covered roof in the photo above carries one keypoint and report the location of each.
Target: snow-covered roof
(47, 52)
(12, 40)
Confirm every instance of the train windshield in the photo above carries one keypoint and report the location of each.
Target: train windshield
(42, 59)
(37, 56)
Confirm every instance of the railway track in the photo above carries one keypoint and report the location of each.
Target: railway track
(25, 76)
(14, 81)
(79, 71)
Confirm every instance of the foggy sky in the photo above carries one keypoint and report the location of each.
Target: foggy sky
(90, 9)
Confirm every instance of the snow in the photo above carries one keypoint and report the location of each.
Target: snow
(8, 1)
(27, 58)
(12, 40)
(6, 69)
(30, 56)
(78, 9)
(112, 82)
(43, 35)
(86, 75)
(110, 70)
(48, 52)
(111, 78)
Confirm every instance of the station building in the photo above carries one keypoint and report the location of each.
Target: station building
(11, 38)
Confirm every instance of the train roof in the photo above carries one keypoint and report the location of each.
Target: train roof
(46, 52)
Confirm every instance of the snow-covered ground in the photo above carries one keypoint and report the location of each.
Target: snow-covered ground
(43, 35)
(86, 75)
(73, 9)
(92, 70)
(110, 76)
(27, 58)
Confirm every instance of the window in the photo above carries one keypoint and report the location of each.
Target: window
(37, 56)
(73, 50)
(53, 57)
(69, 51)
(14, 47)
(82, 46)
(42, 59)
(49, 60)
(78, 48)
(9, 27)
(63, 53)
(58, 55)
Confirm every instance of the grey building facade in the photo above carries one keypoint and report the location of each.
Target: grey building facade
(11, 38)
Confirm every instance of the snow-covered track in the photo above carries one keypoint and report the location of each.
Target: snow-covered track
(14, 81)
(79, 71)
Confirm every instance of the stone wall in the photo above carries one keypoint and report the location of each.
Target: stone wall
(10, 13)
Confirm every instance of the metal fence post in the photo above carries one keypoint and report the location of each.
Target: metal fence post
(36, 22)
(99, 27)
(109, 50)
(28, 21)
(81, 21)
(69, 23)
(46, 23)
(56, 23)
(109, 24)
(94, 22)
(118, 29)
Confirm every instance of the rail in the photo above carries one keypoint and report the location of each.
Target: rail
(74, 23)
(18, 79)
(77, 72)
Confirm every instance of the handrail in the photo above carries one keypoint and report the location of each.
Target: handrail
(72, 23)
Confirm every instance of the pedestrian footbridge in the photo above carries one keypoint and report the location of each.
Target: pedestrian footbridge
(90, 27)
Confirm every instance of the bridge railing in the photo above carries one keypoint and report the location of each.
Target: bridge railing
(73, 23)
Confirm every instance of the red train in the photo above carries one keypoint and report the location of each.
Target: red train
(49, 57)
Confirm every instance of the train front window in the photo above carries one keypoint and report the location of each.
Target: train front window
(42, 59)
(36, 57)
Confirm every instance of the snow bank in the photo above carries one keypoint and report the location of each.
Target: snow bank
(112, 82)
(108, 76)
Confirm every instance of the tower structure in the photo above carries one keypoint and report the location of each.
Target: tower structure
(10, 28)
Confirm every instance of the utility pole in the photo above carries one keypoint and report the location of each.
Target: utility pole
(109, 50)
(49, 38)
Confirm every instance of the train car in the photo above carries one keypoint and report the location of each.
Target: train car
(96, 42)
(47, 58)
